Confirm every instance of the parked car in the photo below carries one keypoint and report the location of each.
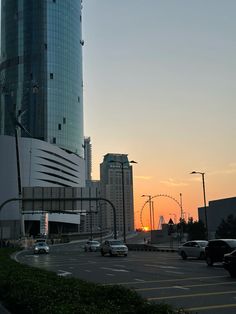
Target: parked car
(229, 263)
(92, 246)
(41, 247)
(114, 247)
(217, 248)
(194, 248)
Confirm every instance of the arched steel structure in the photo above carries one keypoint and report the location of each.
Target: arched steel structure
(158, 195)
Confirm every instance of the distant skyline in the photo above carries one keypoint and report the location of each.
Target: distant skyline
(159, 85)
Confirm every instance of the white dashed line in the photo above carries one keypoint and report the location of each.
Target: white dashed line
(63, 273)
(115, 269)
(174, 272)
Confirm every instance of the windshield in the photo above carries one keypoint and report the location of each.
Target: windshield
(116, 243)
(232, 243)
(203, 243)
(41, 244)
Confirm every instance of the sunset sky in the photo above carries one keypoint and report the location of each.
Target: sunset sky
(159, 85)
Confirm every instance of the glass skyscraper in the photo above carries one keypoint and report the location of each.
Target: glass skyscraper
(41, 94)
(41, 71)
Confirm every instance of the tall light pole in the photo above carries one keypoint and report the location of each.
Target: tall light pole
(122, 163)
(204, 197)
(150, 208)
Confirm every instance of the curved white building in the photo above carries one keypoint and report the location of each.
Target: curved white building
(41, 164)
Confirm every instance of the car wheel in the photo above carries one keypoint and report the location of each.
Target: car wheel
(183, 255)
(202, 255)
(85, 250)
(110, 253)
(102, 253)
(125, 255)
(209, 261)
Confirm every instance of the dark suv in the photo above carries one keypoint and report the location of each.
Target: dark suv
(216, 249)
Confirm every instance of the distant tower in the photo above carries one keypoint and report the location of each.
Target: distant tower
(111, 188)
(161, 222)
(88, 158)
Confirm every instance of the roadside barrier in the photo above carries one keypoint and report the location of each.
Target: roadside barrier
(149, 247)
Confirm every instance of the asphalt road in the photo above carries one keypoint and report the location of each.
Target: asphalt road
(158, 276)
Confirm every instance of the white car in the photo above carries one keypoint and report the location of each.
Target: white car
(114, 247)
(92, 246)
(41, 247)
(194, 248)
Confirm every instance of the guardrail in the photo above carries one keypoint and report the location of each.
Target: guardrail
(150, 247)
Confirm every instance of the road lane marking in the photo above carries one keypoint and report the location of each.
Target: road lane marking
(188, 286)
(63, 273)
(110, 275)
(120, 265)
(88, 271)
(174, 272)
(115, 269)
(192, 295)
(140, 280)
(211, 307)
(165, 280)
(180, 287)
(160, 266)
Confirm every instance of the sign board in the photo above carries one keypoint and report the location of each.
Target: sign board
(59, 199)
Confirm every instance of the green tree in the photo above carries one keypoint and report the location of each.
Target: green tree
(196, 230)
(227, 228)
(182, 225)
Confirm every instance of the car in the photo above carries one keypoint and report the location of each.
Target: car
(229, 263)
(114, 247)
(92, 246)
(217, 248)
(41, 247)
(194, 248)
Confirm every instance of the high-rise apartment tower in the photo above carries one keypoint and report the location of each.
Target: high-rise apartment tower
(116, 181)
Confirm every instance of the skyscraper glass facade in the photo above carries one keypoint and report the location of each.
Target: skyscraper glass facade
(41, 71)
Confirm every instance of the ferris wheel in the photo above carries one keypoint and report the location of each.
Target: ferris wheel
(155, 196)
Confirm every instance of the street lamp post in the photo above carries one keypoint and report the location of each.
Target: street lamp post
(123, 191)
(150, 208)
(204, 197)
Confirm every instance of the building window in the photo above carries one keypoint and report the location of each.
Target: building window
(64, 120)
(51, 76)
(78, 99)
(45, 46)
(54, 140)
(59, 126)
